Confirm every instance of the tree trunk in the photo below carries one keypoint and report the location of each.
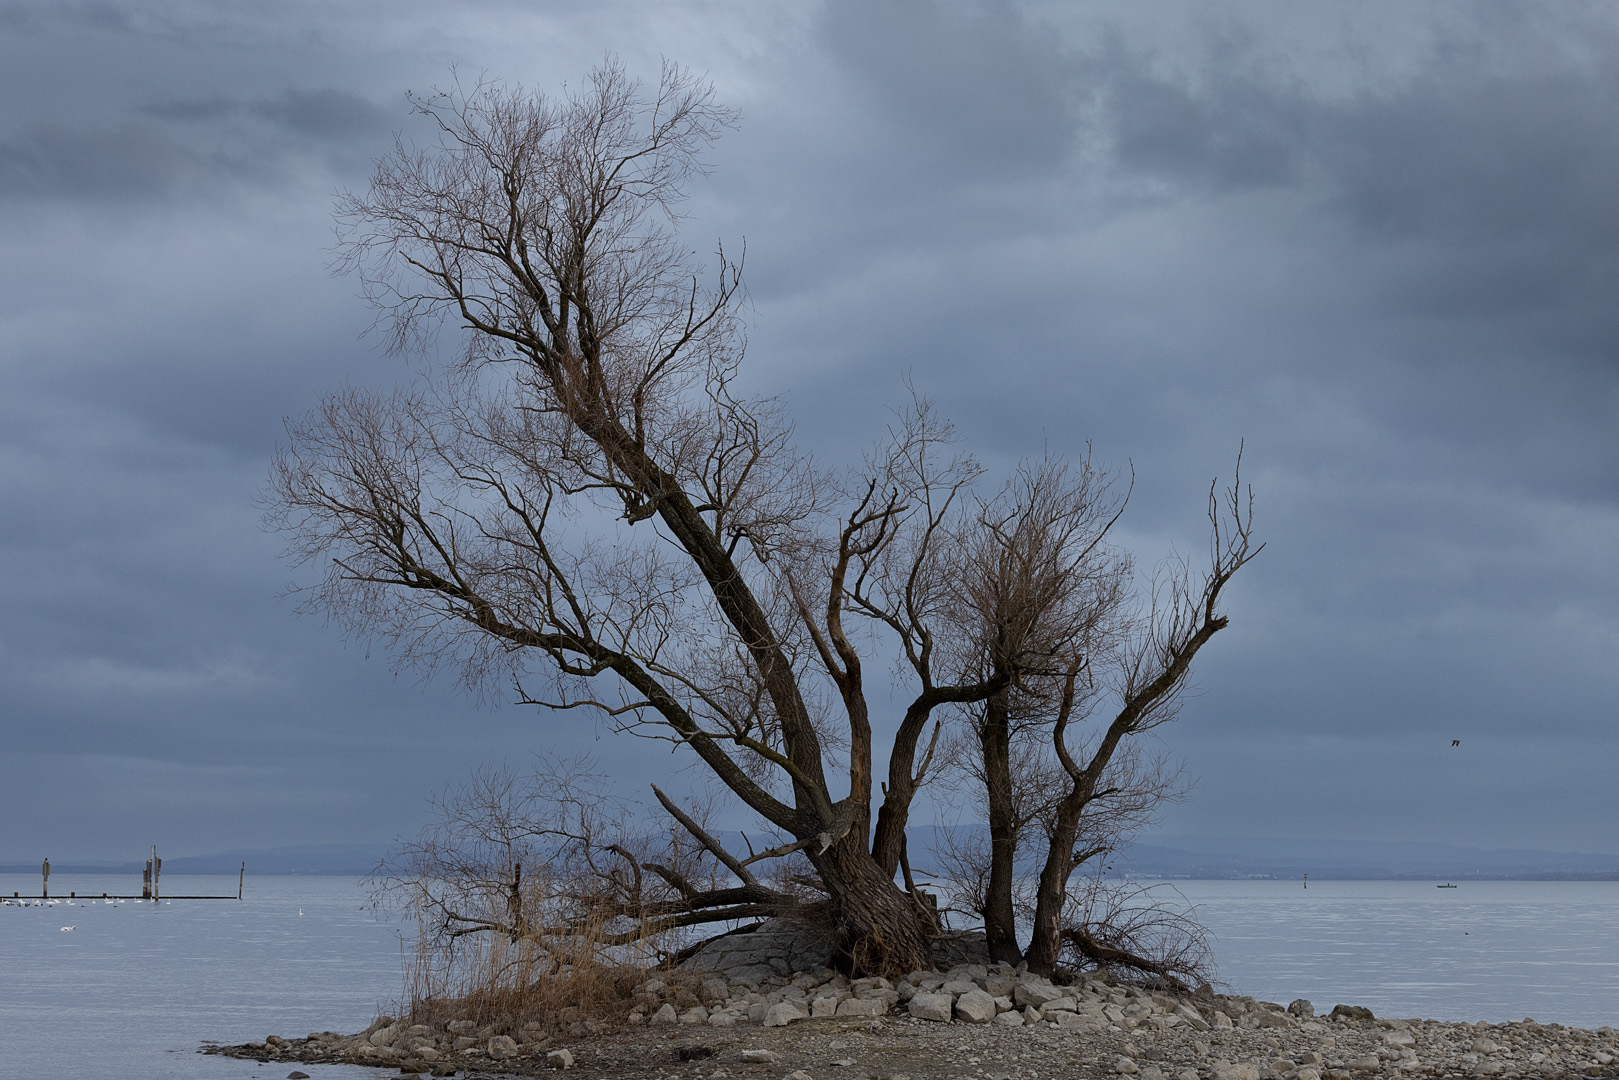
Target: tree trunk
(879, 929)
(1045, 939)
(1000, 924)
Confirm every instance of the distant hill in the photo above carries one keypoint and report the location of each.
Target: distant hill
(1170, 857)
(1251, 857)
(346, 860)
(1235, 857)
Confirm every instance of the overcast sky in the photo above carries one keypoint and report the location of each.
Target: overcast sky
(1378, 242)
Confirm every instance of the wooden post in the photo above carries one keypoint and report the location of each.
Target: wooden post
(239, 879)
(45, 878)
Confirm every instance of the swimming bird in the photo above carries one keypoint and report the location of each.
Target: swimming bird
(65, 929)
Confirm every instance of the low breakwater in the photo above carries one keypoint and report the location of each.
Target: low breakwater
(975, 1020)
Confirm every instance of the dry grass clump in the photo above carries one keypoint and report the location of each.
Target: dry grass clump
(540, 902)
(516, 984)
(509, 986)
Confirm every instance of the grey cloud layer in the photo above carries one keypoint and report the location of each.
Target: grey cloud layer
(1385, 260)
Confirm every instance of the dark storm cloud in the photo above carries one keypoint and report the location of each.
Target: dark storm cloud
(125, 162)
(1382, 252)
(190, 148)
(323, 114)
(974, 91)
(1492, 187)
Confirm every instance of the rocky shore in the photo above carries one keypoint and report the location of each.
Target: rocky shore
(977, 1021)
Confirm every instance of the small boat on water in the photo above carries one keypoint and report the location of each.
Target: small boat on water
(1447, 885)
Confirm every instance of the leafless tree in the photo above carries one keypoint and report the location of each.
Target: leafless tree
(585, 505)
(1048, 582)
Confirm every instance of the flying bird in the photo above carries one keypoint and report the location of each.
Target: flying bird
(1455, 742)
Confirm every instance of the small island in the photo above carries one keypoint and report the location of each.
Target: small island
(733, 1010)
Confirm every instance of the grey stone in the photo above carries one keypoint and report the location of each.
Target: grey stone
(1077, 1021)
(975, 1007)
(931, 1007)
(1191, 1016)
(462, 1042)
(1240, 1070)
(1369, 1063)
(778, 947)
(1125, 1067)
(1035, 993)
(824, 1006)
(998, 985)
(862, 1007)
(665, 1015)
(758, 1057)
(1220, 1020)
(1012, 1019)
(1351, 1012)
(781, 1014)
(559, 1059)
(502, 1047)
(1301, 1007)
(459, 1027)
(955, 949)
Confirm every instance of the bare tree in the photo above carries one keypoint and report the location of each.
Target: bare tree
(1048, 583)
(586, 506)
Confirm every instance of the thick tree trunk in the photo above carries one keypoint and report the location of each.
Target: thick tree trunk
(1045, 939)
(879, 929)
(1000, 924)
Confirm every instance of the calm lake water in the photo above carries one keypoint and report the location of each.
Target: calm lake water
(1487, 950)
(135, 989)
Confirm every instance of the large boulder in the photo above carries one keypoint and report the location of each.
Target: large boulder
(932, 1007)
(975, 1007)
(1037, 994)
(783, 1013)
(775, 947)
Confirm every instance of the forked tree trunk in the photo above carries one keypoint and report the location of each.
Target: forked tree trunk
(879, 929)
(1045, 938)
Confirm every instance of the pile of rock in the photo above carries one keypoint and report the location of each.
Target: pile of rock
(957, 1023)
(414, 1047)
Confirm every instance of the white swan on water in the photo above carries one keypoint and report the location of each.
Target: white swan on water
(65, 929)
